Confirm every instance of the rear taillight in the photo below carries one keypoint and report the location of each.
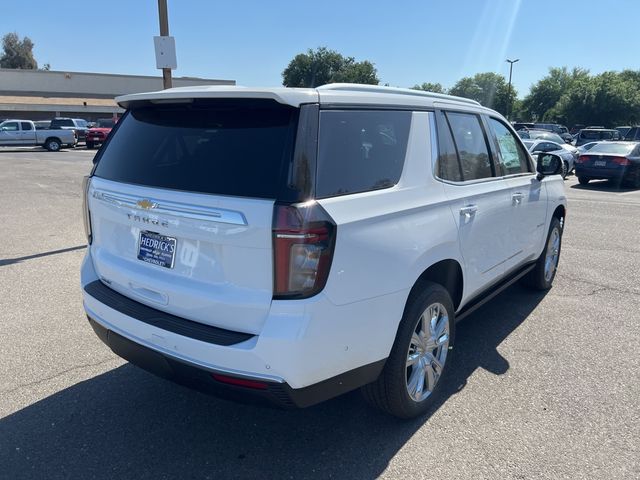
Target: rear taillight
(303, 240)
(583, 159)
(620, 160)
(86, 216)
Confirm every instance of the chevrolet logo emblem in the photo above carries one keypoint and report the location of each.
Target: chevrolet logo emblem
(146, 204)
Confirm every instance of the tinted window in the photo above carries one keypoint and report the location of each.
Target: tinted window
(63, 122)
(511, 156)
(209, 147)
(26, 126)
(590, 134)
(448, 165)
(360, 150)
(105, 123)
(471, 146)
(81, 123)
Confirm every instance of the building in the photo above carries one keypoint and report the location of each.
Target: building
(44, 94)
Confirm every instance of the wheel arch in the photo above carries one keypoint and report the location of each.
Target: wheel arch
(447, 273)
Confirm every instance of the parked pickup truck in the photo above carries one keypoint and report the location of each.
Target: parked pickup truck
(23, 133)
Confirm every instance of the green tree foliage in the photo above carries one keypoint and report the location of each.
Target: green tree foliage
(430, 87)
(322, 66)
(17, 53)
(490, 89)
(546, 93)
(609, 99)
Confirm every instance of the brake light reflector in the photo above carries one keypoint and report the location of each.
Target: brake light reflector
(240, 382)
(303, 241)
(583, 159)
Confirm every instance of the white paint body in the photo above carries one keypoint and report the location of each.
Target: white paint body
(385, 240)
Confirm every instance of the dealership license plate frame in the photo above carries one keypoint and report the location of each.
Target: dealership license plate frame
(156, 256)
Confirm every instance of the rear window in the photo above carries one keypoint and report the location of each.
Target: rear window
(360, 151)
(615, 148)
(227, 148)
(62, 123)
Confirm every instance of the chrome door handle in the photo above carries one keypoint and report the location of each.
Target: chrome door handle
(517, 198)
(469, 211)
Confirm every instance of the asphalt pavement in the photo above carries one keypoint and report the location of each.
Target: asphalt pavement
(542, 386)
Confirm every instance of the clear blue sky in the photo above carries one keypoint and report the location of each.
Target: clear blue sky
(409, 41)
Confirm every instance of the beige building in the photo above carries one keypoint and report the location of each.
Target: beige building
(44, 94)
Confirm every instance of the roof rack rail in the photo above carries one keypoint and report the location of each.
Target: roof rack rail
(356, 87)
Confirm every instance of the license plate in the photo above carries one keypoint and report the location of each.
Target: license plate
(95, 139)
(600, 163)
(157, 249)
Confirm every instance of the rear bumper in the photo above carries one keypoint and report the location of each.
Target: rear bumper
(203, 379)
(602, 173)
(311, 348)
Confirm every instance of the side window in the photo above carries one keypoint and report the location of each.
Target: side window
(471, 146)
(25, 125)
(448, 165)
(11, 126)
(511, 156)
(359, 151)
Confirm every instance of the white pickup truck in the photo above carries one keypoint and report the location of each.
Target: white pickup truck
(23, 133)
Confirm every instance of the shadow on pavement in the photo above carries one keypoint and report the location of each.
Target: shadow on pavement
(127, 423)
(10, 261)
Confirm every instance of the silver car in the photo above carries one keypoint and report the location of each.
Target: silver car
(547, 146)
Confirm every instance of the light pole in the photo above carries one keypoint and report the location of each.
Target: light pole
(511, 62)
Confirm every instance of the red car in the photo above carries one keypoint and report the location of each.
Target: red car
(98, 134)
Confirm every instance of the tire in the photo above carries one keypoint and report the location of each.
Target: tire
(391, 391)
(90, 145)
(541, 277)
(53, 145)
(583, 180)
(565, 170)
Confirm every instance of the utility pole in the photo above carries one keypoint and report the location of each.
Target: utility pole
(164, 32)
(509, 105)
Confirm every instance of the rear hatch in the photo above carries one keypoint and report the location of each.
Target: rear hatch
(181, 204)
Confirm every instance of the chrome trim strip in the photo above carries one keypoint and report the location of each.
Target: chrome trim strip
(218, 215)
(178, 357)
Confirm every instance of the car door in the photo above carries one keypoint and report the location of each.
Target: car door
(478, 199)
(10, 133)
(527, 195)
(27, 133)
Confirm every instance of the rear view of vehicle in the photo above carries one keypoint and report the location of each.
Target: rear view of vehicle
(617, 161)
(202, 253)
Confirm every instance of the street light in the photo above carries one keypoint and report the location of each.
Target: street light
(511, 62)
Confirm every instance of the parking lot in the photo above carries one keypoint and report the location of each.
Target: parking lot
(542, 385)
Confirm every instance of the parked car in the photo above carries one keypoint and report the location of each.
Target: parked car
(295, 244)
(632, 135)
(623, 130)
(587, 135)
(550, 136)
(78, 124)
(98, 134)
(618, 161)
(23, 133)
(547, 146)
(522, 126)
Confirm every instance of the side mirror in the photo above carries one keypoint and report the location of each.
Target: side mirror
(548, 164)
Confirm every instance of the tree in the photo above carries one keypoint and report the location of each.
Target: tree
(545, 94)
(490, 89)
(430, 87)
(322, 66)
(17, 53)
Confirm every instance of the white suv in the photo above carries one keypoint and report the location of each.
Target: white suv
(294, 244)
